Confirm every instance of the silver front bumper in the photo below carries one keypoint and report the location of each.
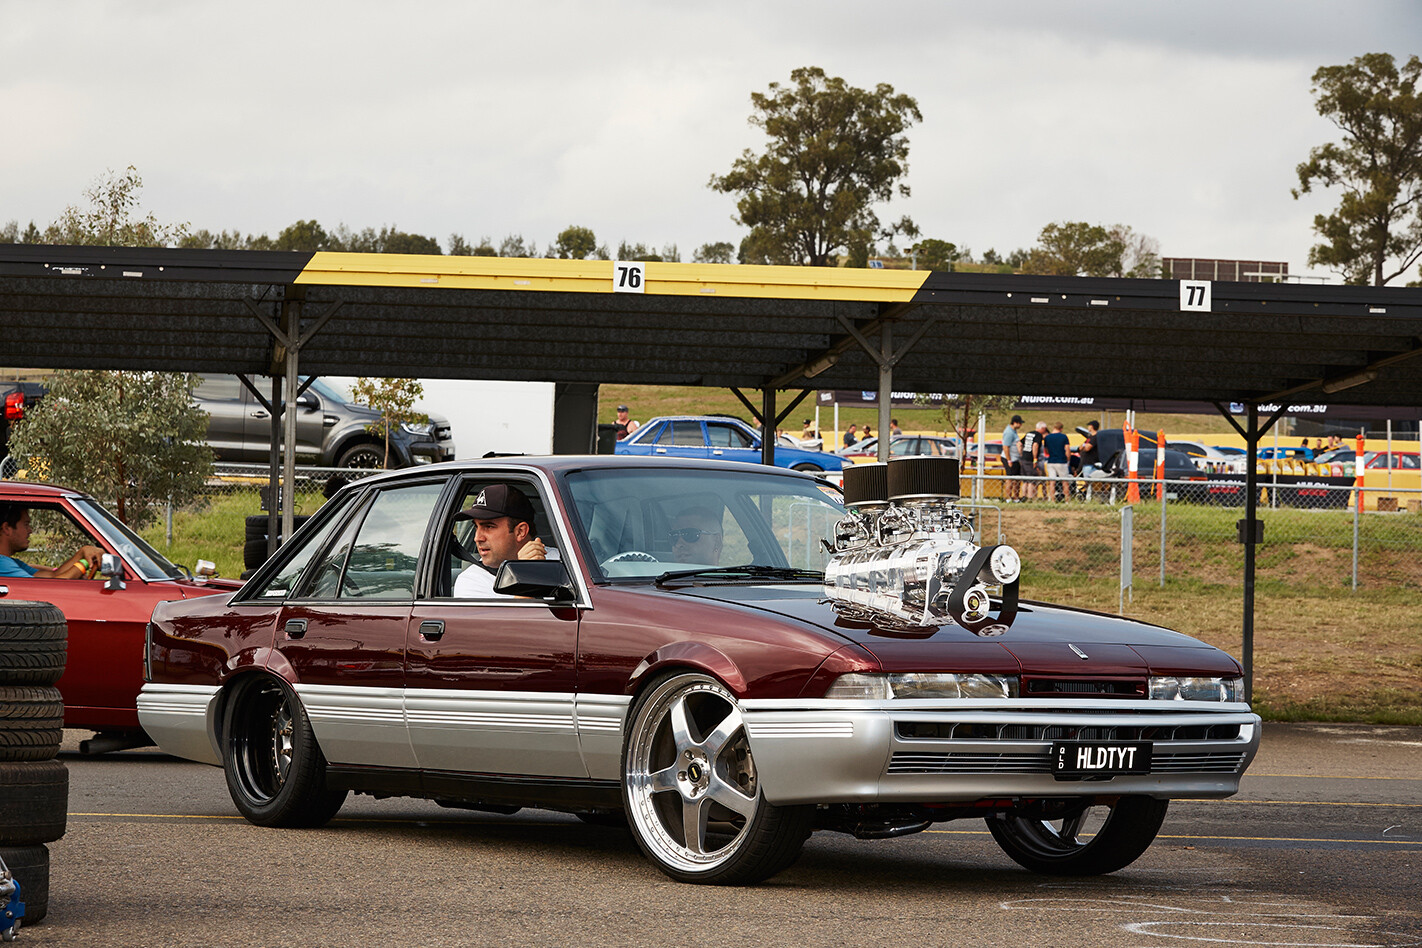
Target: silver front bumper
(826, 751)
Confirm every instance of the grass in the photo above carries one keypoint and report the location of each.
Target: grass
(1322, 651)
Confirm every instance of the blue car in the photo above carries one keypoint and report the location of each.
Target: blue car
(718, 438)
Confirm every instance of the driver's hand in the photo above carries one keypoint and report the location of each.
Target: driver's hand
(93, 554)
(533, 550)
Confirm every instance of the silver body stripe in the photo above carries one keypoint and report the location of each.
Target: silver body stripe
(180, 719)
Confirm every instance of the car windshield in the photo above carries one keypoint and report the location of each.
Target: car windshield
(640, 523)
(150, 564)
(328, 391)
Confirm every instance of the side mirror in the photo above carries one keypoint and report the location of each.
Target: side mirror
(539, 579)
(112, 567)
(308, 401)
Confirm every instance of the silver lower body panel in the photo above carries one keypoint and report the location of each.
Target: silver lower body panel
(180, 719)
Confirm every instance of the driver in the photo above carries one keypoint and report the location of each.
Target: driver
(503, 530)
(15, 537)
(696, 537)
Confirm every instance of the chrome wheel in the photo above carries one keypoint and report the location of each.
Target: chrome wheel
(691, 791)
(1079, 838)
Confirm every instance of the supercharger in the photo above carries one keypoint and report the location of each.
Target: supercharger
(905, 553)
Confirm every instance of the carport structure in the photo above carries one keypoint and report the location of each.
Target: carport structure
(773, 329)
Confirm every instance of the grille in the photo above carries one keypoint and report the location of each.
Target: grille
(442, 433)
(1099, 688)
(982, 731)
(907, 762)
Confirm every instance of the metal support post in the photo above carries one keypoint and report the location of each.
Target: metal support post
(1128, 524)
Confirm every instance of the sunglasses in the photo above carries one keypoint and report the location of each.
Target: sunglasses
(692, 534)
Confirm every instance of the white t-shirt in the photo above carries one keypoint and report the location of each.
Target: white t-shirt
(475, 582)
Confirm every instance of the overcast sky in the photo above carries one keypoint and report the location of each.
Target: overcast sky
(1184, 121)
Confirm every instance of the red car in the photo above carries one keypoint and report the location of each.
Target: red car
(106, 617)
(721, 654)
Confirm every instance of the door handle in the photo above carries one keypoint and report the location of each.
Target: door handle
(295, 628)
(432, 629)
(259, 413)
(661, 450)
(716, 451)
(4, 590)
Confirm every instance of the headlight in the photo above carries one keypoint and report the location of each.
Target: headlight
(922, 685)
(1196, 689)
(414, 428)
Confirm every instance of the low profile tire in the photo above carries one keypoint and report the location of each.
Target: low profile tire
(1090, 841)
(363, 457)
(275, 770)
(34, 802)
(807, 466)
(30, 866)
(31, 722)
(34, 641)
(690, 790)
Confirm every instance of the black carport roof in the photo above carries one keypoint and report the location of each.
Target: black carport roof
(694, 324)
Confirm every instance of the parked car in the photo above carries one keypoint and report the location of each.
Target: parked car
(718, 437)
(331, 430)
(1285, 453)
(1209, 459)
(106, 618)
(16, 398)
(902, 446)
(725, 687)
(1178, 467)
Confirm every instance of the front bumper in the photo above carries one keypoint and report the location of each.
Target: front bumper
(959, 751)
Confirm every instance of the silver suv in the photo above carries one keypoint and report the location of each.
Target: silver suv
(330, 431)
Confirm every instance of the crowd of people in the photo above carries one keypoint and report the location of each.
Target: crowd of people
(1040, 464)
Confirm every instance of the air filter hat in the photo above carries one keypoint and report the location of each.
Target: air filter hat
(499, 500)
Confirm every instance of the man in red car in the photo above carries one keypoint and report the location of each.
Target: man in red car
(503, 530)
(15, 537)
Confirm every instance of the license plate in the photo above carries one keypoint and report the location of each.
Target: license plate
(1073, 760)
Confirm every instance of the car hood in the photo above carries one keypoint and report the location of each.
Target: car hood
(1039, 641)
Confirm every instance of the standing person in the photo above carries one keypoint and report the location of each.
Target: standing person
(868, 433)
(807, 432)
(503, 530)
(625, 424)
(1056, 448)
(894, 431)
(1011, 459)
(1034, 461)
(850, 438)
(1088, 452)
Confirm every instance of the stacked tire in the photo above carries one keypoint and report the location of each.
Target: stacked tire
(34, 786)
(254, 549)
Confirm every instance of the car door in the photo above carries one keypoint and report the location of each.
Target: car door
(729, 442)
(490, 682)
(224, 398)
(342, 631)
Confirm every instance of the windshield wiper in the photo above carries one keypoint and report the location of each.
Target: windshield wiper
(748, 571)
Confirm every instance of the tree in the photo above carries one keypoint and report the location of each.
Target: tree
(720, 252)
(308, 236)
(1375, 235)
(574, 243)
(960, 412)
(132, 439)
(110, 219)
(834, 152)
(1076, 248)
(1140, 257)
(397, 241)
(395, 400)
(513, 246)
(931, 254)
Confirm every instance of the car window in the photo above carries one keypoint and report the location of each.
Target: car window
(150, 564)
(382, 559)
(1407, 462)
(281, 585)
(219, 388)
(724, 436)
(640, 523)
(686, 433)
(459, 552)
(54, 536)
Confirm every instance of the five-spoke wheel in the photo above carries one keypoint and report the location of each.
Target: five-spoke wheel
(690, 788)
(275, 770)
(1081, 840)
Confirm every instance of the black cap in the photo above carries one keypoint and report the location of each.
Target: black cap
(622, 408)
(1016, 420)
(499, 500)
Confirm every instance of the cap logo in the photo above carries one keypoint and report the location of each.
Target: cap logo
(480, 501)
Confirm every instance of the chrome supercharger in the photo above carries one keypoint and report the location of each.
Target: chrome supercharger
(906, 554)
(12, 910)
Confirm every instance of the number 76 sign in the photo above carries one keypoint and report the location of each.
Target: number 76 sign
(628, 277)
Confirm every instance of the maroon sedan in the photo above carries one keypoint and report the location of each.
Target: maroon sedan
(724, 655)
(106, 616)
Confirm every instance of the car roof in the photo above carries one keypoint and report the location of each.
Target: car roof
(566, 463)
(31, 489)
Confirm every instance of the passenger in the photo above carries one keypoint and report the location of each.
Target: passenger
(15, 538)
(503, 530)
(696, 537)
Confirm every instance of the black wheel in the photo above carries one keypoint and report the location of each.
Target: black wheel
(363, 456)
(31, 722)
(690, 791)
(807, 466)
(30, 867)
(254, 553)
(1081, 840)
(34, 802)
(275, 770)
(33, 643)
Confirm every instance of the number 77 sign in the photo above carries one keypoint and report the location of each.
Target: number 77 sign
(1195, 296)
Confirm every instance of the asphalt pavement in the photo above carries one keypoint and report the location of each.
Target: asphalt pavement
(1322, 846)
